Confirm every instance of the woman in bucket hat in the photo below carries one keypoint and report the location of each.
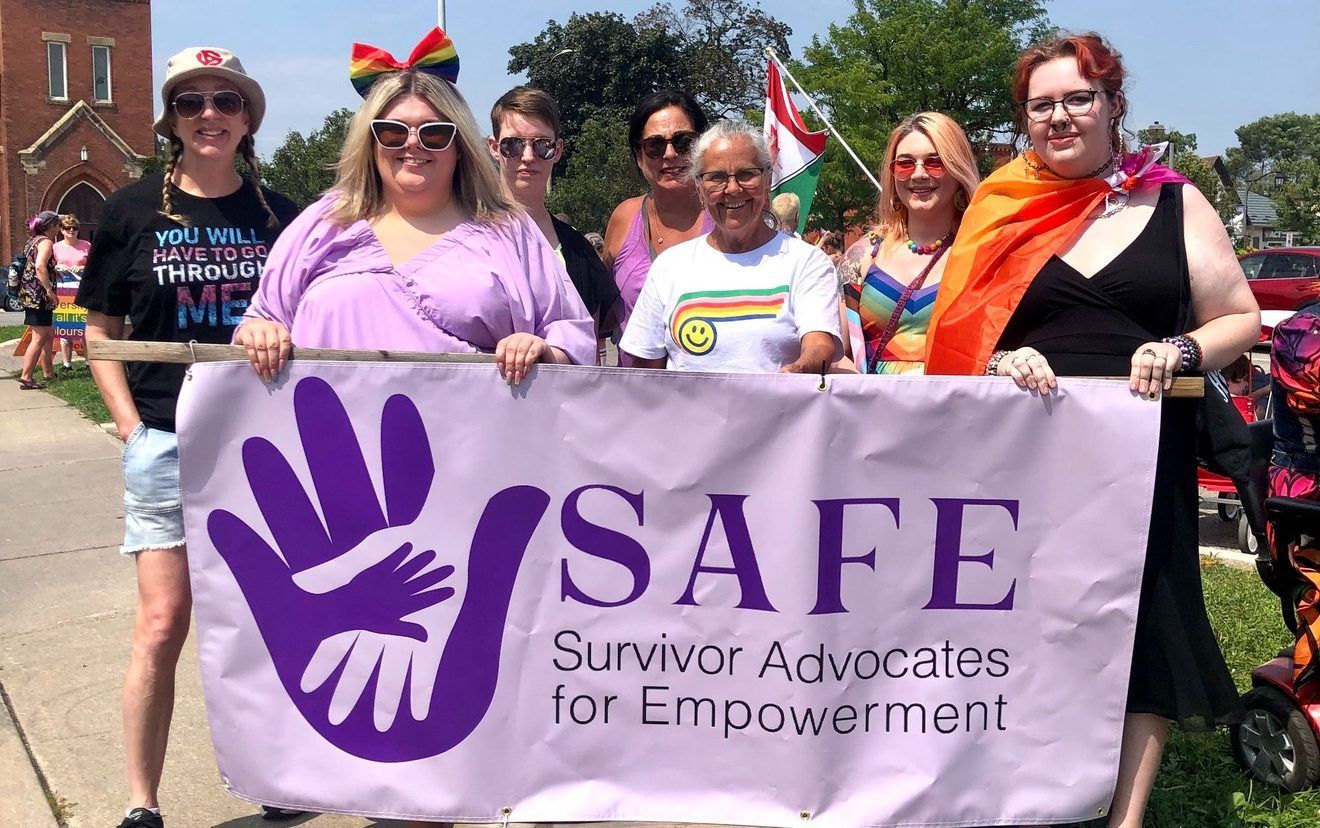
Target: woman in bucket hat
(179, 253)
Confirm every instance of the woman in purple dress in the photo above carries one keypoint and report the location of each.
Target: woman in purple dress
(416, 248)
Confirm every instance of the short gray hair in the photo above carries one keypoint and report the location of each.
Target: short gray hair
(728, 130)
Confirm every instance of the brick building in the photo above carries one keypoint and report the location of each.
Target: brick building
(76, 105)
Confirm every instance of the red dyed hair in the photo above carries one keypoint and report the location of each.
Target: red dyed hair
(1096, 60)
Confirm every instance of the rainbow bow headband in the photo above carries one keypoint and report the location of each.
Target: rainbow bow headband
(434, 55)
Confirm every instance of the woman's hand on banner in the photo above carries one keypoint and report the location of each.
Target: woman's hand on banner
(1153, 365)
(268, 346)
(1029, 369)
(517, 353)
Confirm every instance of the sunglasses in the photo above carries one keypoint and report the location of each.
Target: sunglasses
(654, 146)
(191, 105)
(904, 167)
(433, 136)
(542, 148)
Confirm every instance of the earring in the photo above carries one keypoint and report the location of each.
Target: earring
(1033, 164)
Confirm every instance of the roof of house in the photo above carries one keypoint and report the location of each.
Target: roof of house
(1260, 210)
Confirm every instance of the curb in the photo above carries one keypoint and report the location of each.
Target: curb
(22, 789)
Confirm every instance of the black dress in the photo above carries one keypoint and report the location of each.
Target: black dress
(1092, 327)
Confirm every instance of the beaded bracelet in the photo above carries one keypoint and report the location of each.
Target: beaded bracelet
(1188, 349)
(992, 365)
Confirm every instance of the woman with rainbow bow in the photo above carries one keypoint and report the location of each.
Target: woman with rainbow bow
(1078, 259)
(373, 262)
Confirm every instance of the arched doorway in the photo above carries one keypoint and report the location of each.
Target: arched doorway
(85, 202)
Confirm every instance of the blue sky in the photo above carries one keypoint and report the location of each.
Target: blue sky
(1206, 67)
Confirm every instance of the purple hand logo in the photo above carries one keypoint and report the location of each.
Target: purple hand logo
(338, 593)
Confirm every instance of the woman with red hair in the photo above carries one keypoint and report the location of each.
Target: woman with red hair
(1080, 259)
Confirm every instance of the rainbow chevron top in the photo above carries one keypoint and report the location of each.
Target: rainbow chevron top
(434, 54)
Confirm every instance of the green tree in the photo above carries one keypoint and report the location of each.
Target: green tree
(896, 57)
(722, 45)
(600, 174)
(1182, 150)
(611, 66)
(303, 167)
(1279, 156)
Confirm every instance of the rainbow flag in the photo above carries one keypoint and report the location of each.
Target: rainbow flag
(796, 153)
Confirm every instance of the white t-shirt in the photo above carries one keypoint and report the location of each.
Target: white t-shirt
(734, 312)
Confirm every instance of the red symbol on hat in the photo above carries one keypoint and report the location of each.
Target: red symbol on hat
(209, 57)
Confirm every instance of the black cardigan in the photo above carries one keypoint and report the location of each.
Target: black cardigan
(594, 283)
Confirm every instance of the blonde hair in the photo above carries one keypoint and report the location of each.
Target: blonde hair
(953, 148)
(787, 207)
(358, 190)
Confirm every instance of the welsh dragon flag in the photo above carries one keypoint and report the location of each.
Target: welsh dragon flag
(796, 154)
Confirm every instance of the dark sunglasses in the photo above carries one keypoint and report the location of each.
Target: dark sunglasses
(433, 136)
(904, 167)
(191, 105)
(542, 148)
(654, 146)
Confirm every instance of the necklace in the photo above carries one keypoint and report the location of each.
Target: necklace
(927, 249)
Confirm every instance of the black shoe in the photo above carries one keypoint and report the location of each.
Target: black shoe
(142, 818)
(273, 814)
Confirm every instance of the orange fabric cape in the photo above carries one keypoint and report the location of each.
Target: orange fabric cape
(1013, 225)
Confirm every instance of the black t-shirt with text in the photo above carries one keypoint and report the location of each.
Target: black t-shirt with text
(177, 283)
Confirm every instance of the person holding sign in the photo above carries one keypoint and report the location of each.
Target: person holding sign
(37, 293)
(891, 275)
(1080, 259)
(416, 247)
(745, 297)
(70, 257)
(178, 253)
(526, 143)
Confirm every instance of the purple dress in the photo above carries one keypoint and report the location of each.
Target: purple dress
(634, 262)
(335, 287)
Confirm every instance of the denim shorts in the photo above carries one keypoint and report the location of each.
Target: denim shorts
(153, 507)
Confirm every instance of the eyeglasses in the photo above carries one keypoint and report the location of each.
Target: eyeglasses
(1075, 104)
(903, 167)
(718, 180)
(653, 146)
(433, 136)
(542, 148)
(191, 105)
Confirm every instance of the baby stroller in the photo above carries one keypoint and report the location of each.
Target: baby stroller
(1278, 740)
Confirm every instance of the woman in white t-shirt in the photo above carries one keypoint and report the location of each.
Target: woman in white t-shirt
(744, 297)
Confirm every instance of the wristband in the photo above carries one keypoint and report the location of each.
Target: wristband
(1188, 349)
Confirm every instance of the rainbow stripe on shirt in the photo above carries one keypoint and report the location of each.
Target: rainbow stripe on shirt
(692, 323)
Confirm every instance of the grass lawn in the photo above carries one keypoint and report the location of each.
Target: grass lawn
(8, 332)
(78, 389)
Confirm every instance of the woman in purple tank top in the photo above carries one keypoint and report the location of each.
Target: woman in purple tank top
(661, 132)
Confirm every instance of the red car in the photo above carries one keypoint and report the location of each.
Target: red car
(1283, 278)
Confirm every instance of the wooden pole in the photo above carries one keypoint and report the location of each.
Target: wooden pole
(179, 352)
(117, 350)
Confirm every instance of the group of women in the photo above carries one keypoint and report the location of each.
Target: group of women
(1077, 258)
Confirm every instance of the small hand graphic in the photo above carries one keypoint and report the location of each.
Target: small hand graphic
(316, 620)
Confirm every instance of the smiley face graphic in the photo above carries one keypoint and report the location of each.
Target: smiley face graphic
(696, 336)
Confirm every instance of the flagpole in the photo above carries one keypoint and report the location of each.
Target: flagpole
(771, 53)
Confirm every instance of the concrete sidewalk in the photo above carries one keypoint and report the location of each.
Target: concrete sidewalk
(66, 622)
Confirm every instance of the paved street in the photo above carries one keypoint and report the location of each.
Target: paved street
(66, 599)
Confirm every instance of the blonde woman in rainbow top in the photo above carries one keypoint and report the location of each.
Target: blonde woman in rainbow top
(891, 275)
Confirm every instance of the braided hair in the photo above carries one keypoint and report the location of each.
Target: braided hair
(167, 205)
(246, 149)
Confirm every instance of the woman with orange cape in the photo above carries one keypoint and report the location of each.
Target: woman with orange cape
(1077, 259)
